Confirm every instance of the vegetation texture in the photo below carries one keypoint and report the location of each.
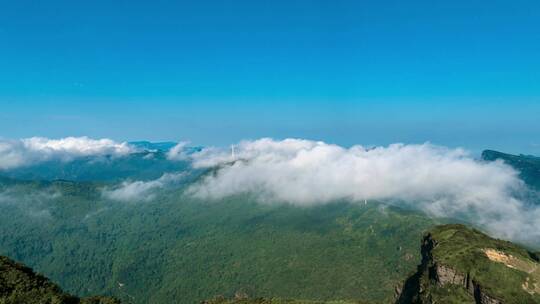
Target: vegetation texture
(19, 284)
(175, 249)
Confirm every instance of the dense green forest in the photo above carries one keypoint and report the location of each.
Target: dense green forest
(459, 265)
(175, 248)
(19, 284)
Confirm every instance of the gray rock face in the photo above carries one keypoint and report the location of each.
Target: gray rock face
(431, 271)
(447, 275)
(484, 298)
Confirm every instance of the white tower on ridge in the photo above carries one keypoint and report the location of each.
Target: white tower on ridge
(232, 153)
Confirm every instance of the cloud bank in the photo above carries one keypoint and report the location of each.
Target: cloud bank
(33, 203)
(134, 191)
(28, 151)
(178, 152)
(439, 181)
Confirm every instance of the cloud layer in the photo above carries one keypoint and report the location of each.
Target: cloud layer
(28, 151)
(33, 203)
(439, 181)
(178, 152)
(134, 191)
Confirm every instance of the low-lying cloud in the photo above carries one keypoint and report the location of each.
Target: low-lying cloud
(178, 152)
(33, 203)
(134, 191)
(439, 181)
(28, 151)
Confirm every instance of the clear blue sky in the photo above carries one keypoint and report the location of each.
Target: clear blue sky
(457, 73)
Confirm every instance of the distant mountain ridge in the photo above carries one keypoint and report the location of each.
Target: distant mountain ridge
(153, 146)
(186, 250)
(150, 161)
(527, 165)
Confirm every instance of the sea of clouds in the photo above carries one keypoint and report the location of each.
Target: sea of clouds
(137, 191)
(438, 181)
(29, 151)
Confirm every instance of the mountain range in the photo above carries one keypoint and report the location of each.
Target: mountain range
(58, 218)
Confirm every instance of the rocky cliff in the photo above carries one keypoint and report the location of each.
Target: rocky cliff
(462, 265)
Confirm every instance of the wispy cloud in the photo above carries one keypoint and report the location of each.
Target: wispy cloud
(28, 151)
(133, 191)
(33, 203)
(439, 181)
(178, 152)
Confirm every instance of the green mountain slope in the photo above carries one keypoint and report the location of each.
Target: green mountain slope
(459, 265)
(463, 265)
(179, 250)
(140, 166)
(19, 284)
(220, 300)
(176, 249)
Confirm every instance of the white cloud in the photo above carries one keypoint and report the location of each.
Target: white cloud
(28, 151)
(142, 190)
(34, 203)
(439, 181)
(178, 152)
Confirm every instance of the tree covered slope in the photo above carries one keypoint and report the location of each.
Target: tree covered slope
(19, 284)
(247, 300)
(459, 265)
(176, 249)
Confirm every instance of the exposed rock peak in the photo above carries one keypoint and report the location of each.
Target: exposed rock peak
(455, 268)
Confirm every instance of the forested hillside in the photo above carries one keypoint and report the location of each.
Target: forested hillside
(175, 247)
(19, 284)
(163, 245)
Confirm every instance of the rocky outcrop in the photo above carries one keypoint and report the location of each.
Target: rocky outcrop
(431, 273)
(483, 298)
(447, 275)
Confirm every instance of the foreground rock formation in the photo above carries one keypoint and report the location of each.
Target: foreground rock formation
(463, 265)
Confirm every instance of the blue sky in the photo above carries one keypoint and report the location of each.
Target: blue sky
(456, 73)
